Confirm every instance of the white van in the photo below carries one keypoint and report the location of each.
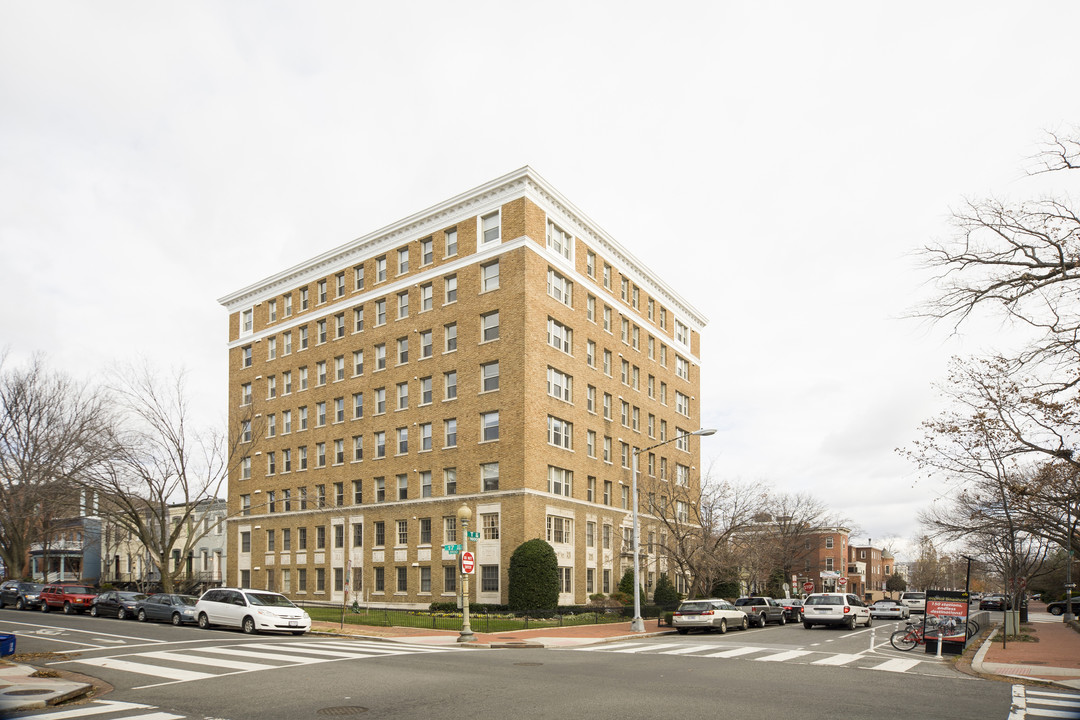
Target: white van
(916, 601)
(250, 610)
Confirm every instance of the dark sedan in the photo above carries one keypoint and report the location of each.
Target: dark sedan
(992, 602)
(792, 609)
(23, 595)
(115, 603)
(1058, 608)
(166, 607)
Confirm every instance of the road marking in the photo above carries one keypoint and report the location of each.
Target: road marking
(780, 657)
(686, 650)
(212, 662)
(896, 665)
(838, 659)
(98, 633)
(309, 651)
(606, 647)
(735, 652)
(100, 706)
(159, 671)
(643, 648)
(262, 655)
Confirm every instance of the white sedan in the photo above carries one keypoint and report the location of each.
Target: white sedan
(709, 614)
(890, 609)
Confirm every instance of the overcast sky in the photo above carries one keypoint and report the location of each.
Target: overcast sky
(775, 162)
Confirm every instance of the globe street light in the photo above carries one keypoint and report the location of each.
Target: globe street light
(464, 515)
(637, 624)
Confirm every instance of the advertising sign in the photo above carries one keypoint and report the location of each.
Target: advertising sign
(946, 618)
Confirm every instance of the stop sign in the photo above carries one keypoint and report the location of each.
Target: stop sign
(841, 581)
(468, 563)
(808, 587)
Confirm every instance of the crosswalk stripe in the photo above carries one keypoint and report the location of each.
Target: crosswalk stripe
(780, 657)
(1043, 693)
(685, 650)
(605, 647)
(395, 647)
(295, 660)
(1039, 712)
(98, 708)
(212, 662)
(309, 651)
(838, 659)
(643, 648)
(366, 648)
(159, 671)
(154, 716)
(736, 652)
(896, 665)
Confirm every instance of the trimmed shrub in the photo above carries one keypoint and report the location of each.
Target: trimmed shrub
(626, 587)
(665, 594)
(533, 577)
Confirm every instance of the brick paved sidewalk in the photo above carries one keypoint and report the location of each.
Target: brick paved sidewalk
(1054, 656)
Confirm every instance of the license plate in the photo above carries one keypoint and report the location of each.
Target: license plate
(292, 623)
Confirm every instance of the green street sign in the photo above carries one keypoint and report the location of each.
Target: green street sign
(452, 548)
(472, 535)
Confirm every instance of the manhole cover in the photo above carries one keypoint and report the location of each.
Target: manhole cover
(342, 711)
(28, 692)
(528, 664)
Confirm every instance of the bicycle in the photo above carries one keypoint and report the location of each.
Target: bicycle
(906, 639)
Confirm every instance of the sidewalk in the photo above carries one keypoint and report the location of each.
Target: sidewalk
(1055, 657)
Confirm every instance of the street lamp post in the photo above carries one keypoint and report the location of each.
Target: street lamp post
(464, 515)
(637, 624)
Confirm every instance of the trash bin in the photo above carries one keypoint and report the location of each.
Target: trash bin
(7, 645)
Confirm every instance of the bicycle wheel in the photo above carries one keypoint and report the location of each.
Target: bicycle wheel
(903, 640)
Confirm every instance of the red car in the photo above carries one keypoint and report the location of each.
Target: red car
(67, 597)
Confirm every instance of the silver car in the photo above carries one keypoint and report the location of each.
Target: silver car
(709, 614)
(890, 609)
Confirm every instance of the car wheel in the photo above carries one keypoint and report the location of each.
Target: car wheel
(248, 626)
(745, 623)
(177, 620)
(93, 611)
(682, 631)
(67, 608)
(1056, 611)
(19, 604)
(807, 625)
(761, 620)
(142, 615)
(851, 622)
(204, 622)
(869, 620)
(783, 620)
(723, 626)
(121, 614)
(44, 606)
(1, 604)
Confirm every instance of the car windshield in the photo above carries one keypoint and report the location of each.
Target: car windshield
(31, 587)
(269, 600)
(915, 596)
(825, 600)
(131, 596)
(187, 599)
(77, 590)
(884, 602)
(695, 607)
(744, 601)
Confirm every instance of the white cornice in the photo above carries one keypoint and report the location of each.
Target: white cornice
(523, 182)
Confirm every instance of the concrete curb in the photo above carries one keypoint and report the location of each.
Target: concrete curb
(1020, 672)
(20, 691)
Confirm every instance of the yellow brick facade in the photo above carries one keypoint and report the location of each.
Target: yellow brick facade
(295, 380)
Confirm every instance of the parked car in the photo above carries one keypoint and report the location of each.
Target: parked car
(115, 603)
(709, 614)
(793, 608)
(250, 610)
(1058, 608)
(761, 610)
(993, 602)
(23, 595)
(68, 597)
(890, 609)
(835, 609)
(916, 601)
(166, 607)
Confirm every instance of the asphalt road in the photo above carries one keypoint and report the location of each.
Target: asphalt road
(191, 673)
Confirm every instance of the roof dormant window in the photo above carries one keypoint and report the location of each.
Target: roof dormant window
(490, 228)
(682, 333)
(559, 240)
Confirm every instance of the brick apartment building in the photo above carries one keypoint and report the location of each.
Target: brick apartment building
(498, 350)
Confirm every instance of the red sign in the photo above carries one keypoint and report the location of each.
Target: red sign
(468, 563)
(808, 587)
(841, 581)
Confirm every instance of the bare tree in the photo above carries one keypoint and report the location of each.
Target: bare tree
(50, 435)
(165, 474)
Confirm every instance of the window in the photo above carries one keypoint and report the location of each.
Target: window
(380, 401)
(402, 532)
(607, 406)
(403, 260)
(450, 336)
(590, 353)
(271, 425)
(590, 309)
(682, 333)
(607, 363)
(425, 390)
(339, 325)
(358, 319)
(358, 537)
(245, 431)
(245, 394)
(286, 460)
(246, 354)
(829, 542)
(339, 451)
(320, 372)
(286, 343)
(427, 253)
(358, 448)
(380, 444)
(682, 368)
(489, 326)
(425, 491)
(402, 396)
(558, 240)
(560, 481)
(320, 414)
(358, 277)
(426, 297)
(245, 466)
(682, 404)
(559, 385)
(451, 242)
(425, 436)
(403, 305)
(450, 289)
(320, 537)
(489, 578)
(450, 483)
(339, 368)
(607, 319)
(490, 231)
(303, 337)
(271, 309)
(560, 288)
(380, 495)
(247, 322)
(489, 476)
(450, 428)
(380, 579)
(590, 534)
(358, 362)
(322, 291)
(489, 423)
(560, 433)
(339, 536)
(402, 441)
(380, 269)
(590, 443)
(559, 336)
(449, 579)
(607, 537)
(358, 494)
(489, 276)
(450, 382)
(245, 542)
(558, 529)
(380, 533)
(425, 344)
(607, 497)
(590, 263)
(402, 350)
(489, 376)
(380, 356)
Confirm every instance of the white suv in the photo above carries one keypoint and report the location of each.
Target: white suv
(251, 611)
(835, 609)
(916, 601)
